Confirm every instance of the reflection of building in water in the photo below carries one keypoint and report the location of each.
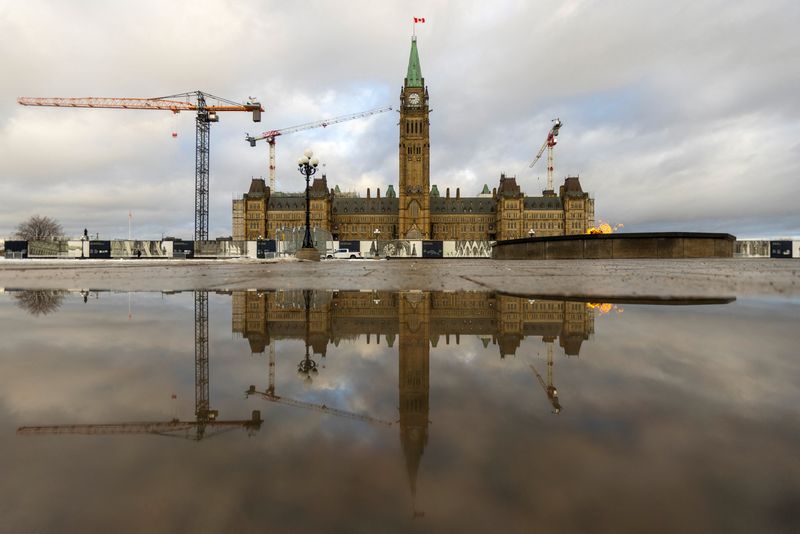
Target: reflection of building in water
(419, 320)
(501, 320)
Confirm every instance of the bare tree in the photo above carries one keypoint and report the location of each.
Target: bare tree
(40, 301)
(39, 228)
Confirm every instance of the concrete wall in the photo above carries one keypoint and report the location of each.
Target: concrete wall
(617, 246)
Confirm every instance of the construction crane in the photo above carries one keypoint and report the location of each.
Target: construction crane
(322, 408)
(272, 134)
(549, 389)
(271, 396)
(205, 417)
(549, 143)
(194, 430)
(192, 101)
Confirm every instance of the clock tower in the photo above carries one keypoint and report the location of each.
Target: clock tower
(414, 181)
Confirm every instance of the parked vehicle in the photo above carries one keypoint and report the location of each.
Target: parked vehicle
(344, 253)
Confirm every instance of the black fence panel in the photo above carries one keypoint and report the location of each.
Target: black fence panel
(432, 249)
(780, 249)
(16, 249)
(99, 249)
(266, 246)
(183, 249)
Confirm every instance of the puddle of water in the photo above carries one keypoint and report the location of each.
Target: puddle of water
(380, 411)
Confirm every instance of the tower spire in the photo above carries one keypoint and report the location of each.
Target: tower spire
(414, 74)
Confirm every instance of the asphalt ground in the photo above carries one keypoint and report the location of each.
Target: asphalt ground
(647, 279)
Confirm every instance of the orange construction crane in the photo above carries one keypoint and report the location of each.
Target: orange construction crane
(191, 101)
(272, 134)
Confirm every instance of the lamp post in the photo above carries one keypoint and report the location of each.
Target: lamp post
(307, 165)
(307, 366)
(531, 233)
(377, 234)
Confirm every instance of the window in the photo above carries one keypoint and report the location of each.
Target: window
(413, 207)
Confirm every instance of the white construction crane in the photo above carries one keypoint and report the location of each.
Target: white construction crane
(272, 134)
(549, 143)
(549, 388)
(271, 396)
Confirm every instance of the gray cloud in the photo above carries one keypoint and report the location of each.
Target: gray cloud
(679, 116)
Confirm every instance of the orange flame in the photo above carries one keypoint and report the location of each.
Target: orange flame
(604, 307)
(604, 228)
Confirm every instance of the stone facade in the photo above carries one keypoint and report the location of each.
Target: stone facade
(416, 210)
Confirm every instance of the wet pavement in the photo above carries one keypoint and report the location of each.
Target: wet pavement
(595, 278)
(365, 411)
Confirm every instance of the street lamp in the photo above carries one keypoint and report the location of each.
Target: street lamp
(307, 165)
(377, 234)
(307, 366)
(531, 233)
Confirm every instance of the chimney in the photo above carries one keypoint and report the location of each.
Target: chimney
(494, 192)
(458, 193)
(378, 194)
(368, 192)
(448, 192)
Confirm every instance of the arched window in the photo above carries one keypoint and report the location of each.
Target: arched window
(413, 209)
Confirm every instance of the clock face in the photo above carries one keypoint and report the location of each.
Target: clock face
(413, 99)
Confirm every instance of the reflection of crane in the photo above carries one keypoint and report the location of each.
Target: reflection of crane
(317, 407)
(163, 428)
(549, 388)
(193, 101)
(272, 134)
(549, 143)
(271, 396)
(205, 417)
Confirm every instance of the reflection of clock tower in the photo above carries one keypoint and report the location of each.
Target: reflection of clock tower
(414, 182)
(414, 380)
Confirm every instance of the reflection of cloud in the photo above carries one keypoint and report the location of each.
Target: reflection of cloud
(654, 419)
(40, 301)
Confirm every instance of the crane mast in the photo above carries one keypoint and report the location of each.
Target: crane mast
(549, 143)
(269, 136)
(206, 114)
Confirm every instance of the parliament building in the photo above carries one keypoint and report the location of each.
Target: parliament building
(416, 210)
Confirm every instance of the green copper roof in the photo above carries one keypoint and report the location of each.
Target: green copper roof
(390, 192)
(434, 191)
(485, 190)
(414, 75)
(336, 189)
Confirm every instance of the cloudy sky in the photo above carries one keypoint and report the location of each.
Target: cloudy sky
(677, 116)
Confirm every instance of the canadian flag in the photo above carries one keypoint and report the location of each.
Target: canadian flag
(416, 20)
